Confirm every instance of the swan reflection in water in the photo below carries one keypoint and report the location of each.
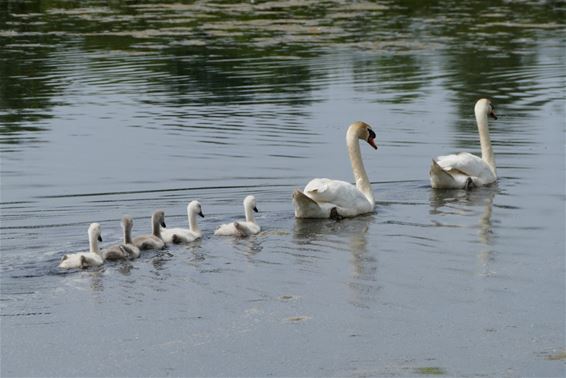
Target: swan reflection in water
(467, 203)
(352, 236)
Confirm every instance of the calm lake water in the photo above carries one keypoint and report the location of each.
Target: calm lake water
(108, 108)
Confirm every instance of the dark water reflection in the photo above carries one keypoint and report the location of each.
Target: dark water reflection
(109, 108)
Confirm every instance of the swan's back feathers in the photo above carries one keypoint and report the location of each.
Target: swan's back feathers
(337, 193)
(247, 228)
(115, 252)
(145, 242)
(456, 171)
(236, 228)
(468, 165)
(80, 260)
(179, 235)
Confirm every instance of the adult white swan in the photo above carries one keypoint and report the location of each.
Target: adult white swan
(185, 235)
(464, 170)
(85, 259)
(323, 198)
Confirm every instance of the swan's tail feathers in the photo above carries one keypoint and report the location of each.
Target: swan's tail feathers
(439, 178)
(305, 207)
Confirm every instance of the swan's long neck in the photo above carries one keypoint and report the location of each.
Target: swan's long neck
(156, 227)
(485, 140)
(193, 225)
(360, 175)
(93, 243)
(249, 213)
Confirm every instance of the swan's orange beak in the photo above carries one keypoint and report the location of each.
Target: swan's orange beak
(492, 114)
(371, 142)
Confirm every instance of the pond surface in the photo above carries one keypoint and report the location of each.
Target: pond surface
(133, 106)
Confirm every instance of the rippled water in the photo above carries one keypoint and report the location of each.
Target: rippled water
(129, 107)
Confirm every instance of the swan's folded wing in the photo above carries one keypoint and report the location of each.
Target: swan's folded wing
(339, 193)
(464, 162)
(326, 190)
(317, 186)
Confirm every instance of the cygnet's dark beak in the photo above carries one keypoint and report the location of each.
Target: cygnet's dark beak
(255, 209)
(201, 214)
(99, 238)
(163, 224)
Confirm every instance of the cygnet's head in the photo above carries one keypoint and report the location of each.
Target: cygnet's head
(364, 132)
(94, 232)
(249, 203)
(159, 217)
(195, 207)
(484, 106)
(127, 222)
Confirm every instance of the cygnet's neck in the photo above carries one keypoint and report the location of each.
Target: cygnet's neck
(93, 243)
(360, 175)
(249, 213)
(127, 229)
(156, 227)
(193, 225)
(485, 140)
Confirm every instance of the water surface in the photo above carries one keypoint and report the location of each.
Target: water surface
(126, 108)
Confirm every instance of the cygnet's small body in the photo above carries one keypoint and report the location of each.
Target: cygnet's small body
(153, 241)
(242, 228)
(184, 235)
(85, 259)
(125, 250)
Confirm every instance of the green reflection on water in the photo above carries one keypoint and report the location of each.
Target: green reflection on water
(211, 53)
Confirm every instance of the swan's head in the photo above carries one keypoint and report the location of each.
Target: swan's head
(159, 218)
(364, 132)
(484, 106)
(195, 207)
(127, 222)
(94, 232)
(249, 203)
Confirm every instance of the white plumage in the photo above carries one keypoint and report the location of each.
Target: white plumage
(242, 228)
(464, 170)
(322, 195)
(184, 235)
(85, 259)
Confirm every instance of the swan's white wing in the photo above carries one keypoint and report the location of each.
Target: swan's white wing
(71, 261)
(75, 260)
(468, 164)
(247, 228)
(340, 193)
(145, 242)
(178, 235)
(227, 229)
(93, 259)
